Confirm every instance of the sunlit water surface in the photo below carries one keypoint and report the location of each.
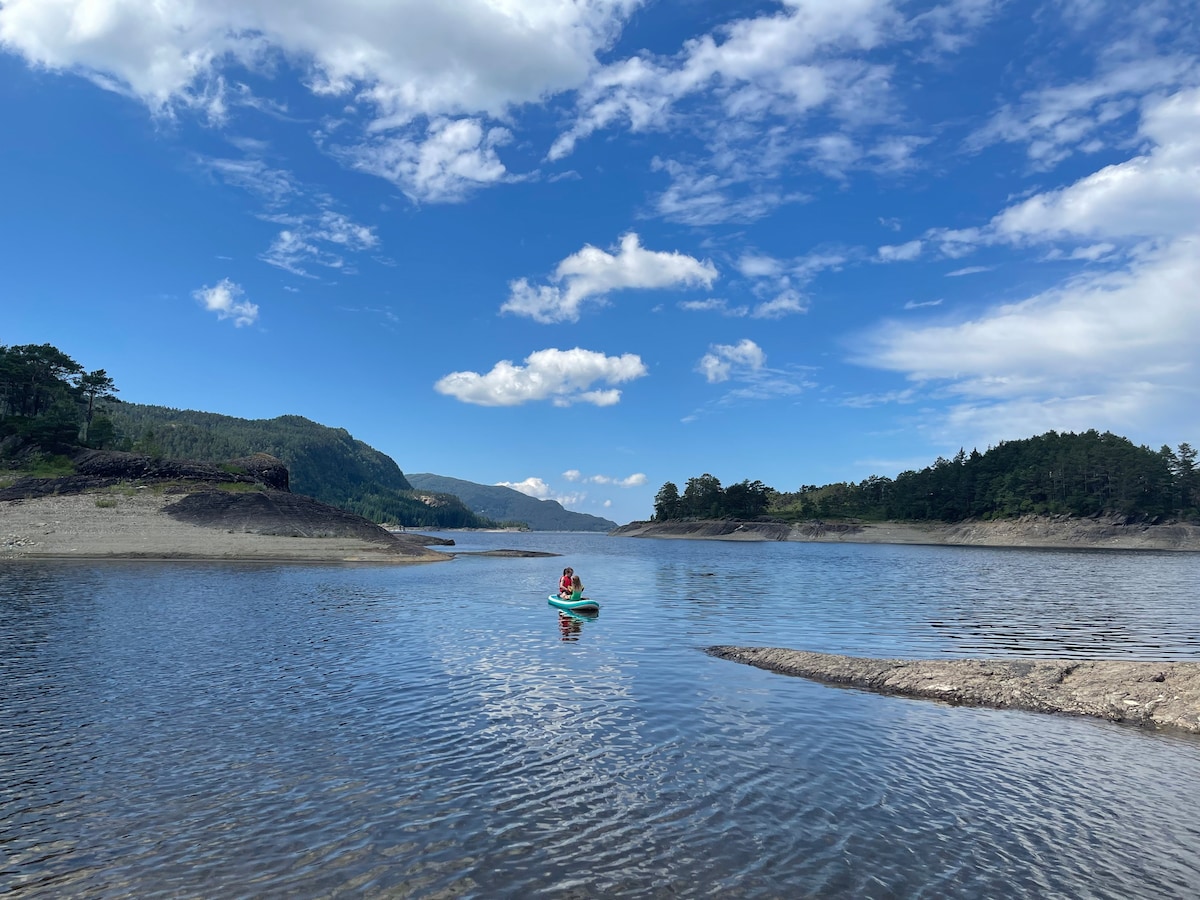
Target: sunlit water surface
(189, 730)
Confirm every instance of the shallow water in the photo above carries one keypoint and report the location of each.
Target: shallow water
(203, 730)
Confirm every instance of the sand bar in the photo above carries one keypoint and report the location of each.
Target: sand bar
(1149, 694)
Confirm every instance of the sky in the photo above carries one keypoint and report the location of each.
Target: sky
(586, 247)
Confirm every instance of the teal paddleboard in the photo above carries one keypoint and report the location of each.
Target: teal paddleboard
(583, 604)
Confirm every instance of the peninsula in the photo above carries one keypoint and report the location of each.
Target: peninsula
(132, 506)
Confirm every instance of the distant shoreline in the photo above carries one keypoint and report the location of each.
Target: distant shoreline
(1046, 532)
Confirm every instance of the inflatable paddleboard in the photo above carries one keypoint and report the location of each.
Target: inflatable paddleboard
(583, 604)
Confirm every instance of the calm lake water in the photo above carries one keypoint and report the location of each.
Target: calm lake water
(212, 730)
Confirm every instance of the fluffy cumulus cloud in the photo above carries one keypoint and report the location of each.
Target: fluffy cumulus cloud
(563, 377)
(409, 58)
(723, 360)
(592, 274)
(419, 79)
(226, 299)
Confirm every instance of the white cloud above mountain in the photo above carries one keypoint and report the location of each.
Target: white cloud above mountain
(562, 377)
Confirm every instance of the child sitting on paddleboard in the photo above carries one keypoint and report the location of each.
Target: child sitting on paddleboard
(564, 583)
(576, 589)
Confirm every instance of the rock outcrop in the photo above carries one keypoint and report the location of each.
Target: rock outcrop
(1151, 694)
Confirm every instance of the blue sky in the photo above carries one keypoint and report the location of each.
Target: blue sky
(584, 247)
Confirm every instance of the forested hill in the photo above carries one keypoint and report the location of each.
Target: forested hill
(325, 463)
(505, 504)
(1086, 474)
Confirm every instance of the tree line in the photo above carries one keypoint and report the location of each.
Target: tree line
(49, 400)
(1055, 473)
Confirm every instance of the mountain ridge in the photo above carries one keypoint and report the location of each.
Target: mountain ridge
(505, 504)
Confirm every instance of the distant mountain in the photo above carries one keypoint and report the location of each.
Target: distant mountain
(324, 463)
(506, 505)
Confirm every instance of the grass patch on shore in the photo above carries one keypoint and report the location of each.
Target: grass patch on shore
(106, 502)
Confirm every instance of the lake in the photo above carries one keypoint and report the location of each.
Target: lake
(244, 730)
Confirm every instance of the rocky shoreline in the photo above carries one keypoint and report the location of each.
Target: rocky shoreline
(1148, 694)
(128, 506)
(1049, 532)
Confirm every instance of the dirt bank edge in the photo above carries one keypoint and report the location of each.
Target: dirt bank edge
(1147, 694)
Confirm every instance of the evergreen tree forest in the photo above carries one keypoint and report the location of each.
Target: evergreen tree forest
(48, 401)
(1088, 474)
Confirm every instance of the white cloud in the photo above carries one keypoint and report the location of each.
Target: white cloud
(455, 157)
(787, 62)
(636, 480)
(900, 252)
(697, 197)
(1139, 59)
(1151, 196)
(420, 79)
(1155, 194)
(786, 303)
(1106, 350)
(592, 273)
(225, 299)
(538, 489)
(915, 304)
(714, 304)
(723, 359)
(968, 270)
(866, 401)
(321, 238)
(530, 487)
(408, 58)
(313, 233)
(563, 377)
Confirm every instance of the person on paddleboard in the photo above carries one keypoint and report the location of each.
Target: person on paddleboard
(564, 583)
(576, 589)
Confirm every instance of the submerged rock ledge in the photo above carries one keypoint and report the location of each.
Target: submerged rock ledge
(1149, 694)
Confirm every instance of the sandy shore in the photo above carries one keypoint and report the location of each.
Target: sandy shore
(134, 526)
(1150, 694)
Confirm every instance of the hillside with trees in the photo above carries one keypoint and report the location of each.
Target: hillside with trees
(505, 504)
(1088, 474)
(325, 463)
(51, 408)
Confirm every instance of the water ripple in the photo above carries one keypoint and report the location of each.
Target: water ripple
(264, 731)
